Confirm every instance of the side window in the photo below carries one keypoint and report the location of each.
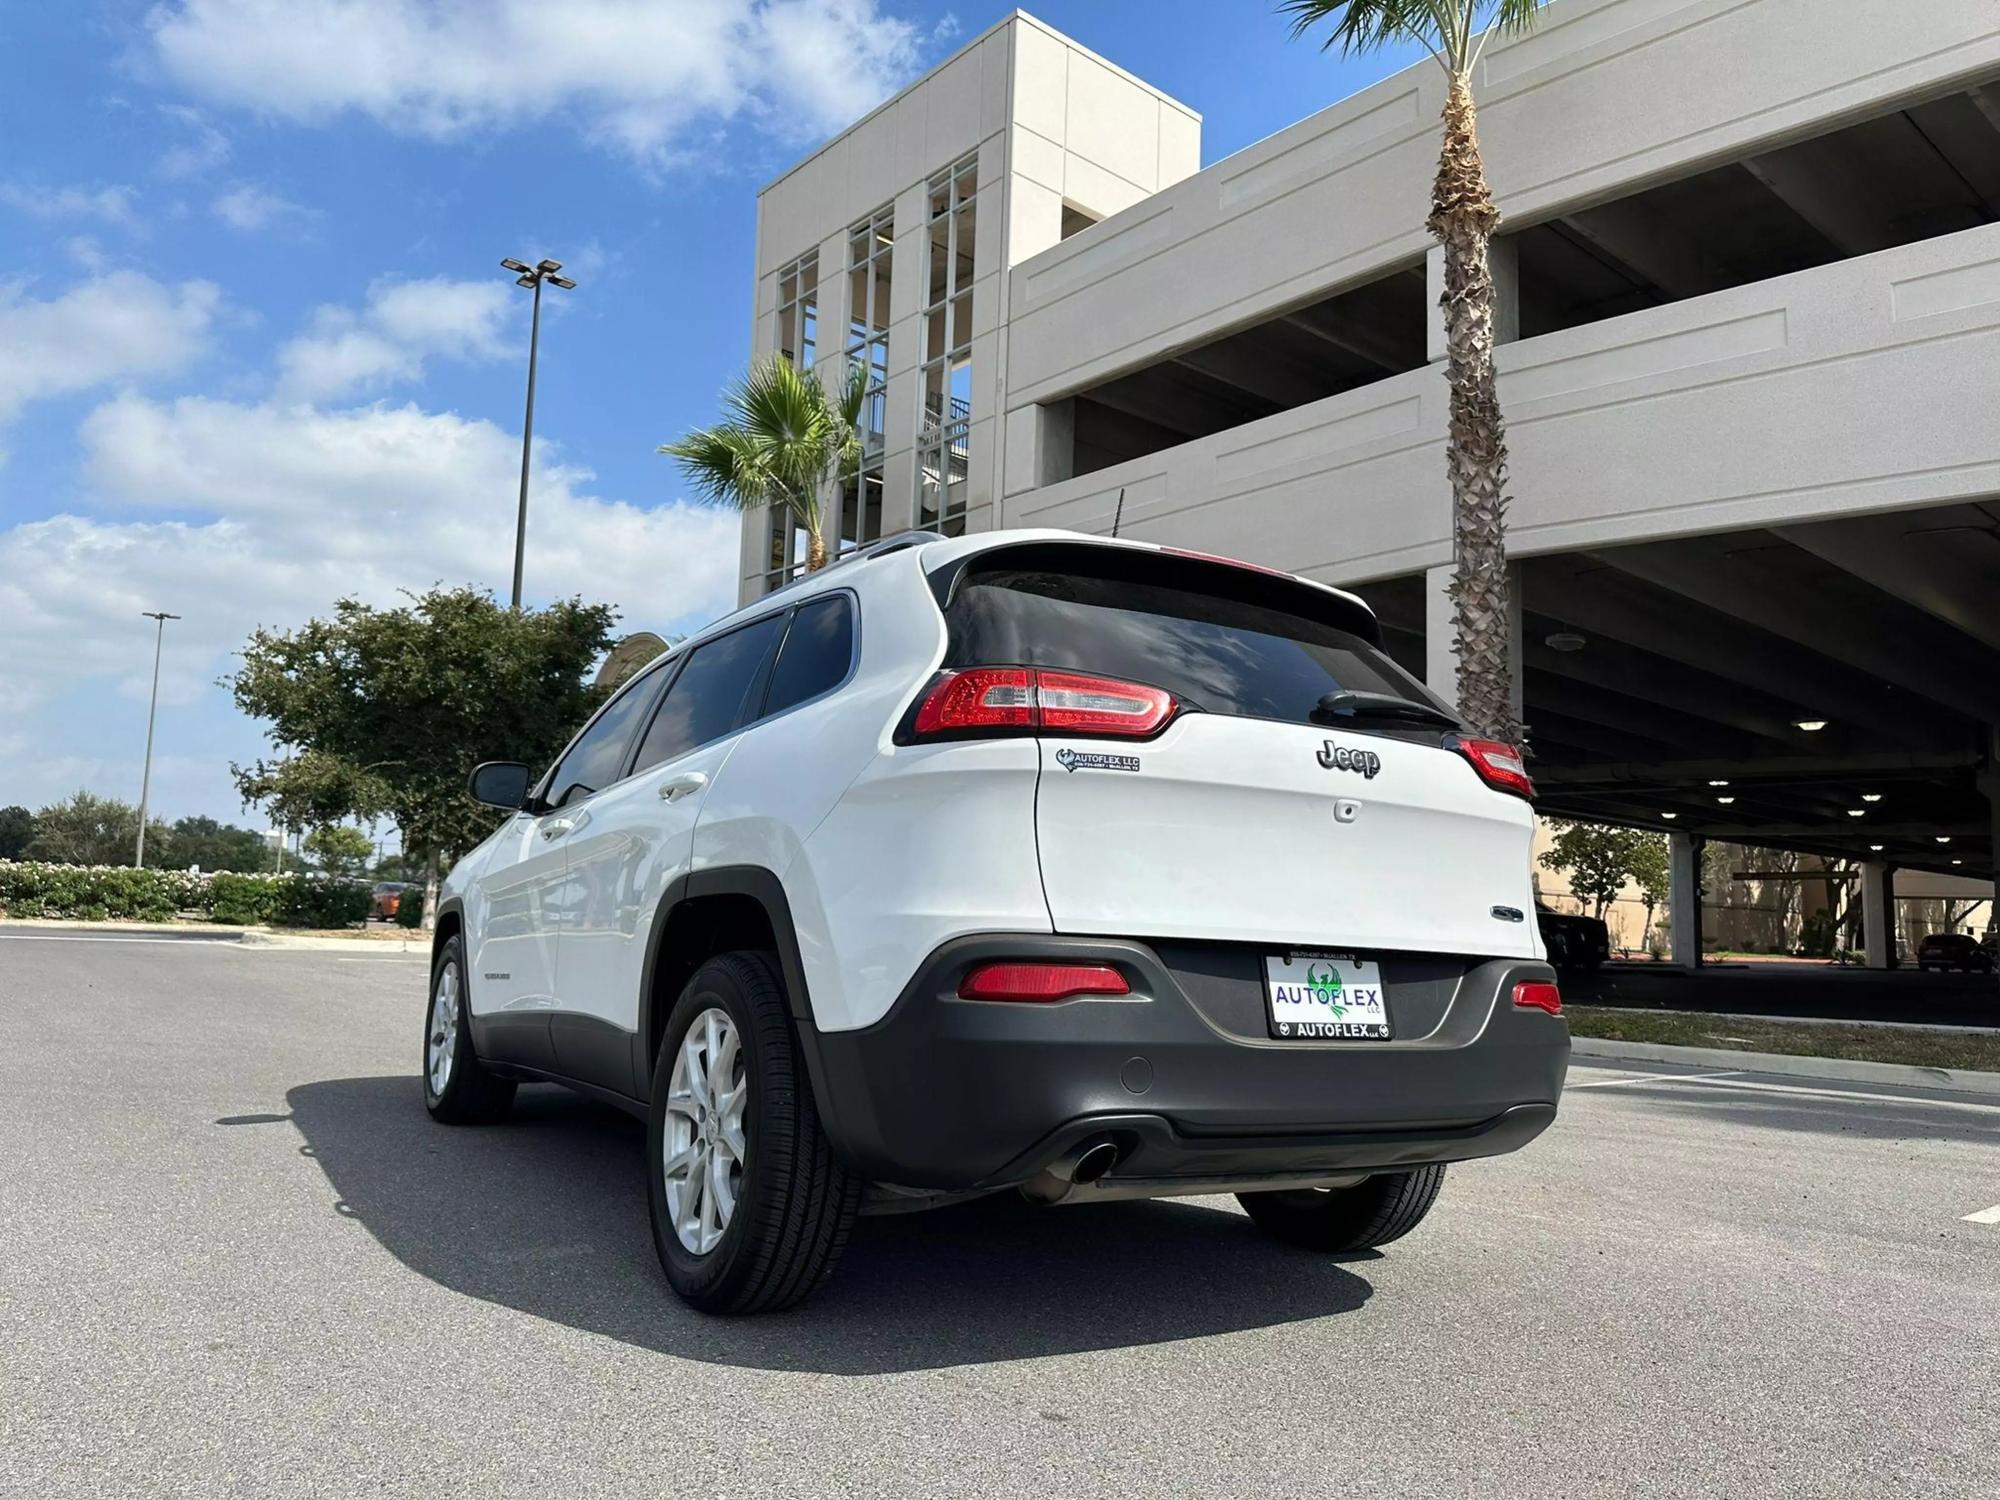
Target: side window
(710, 696)
(816, 653)
(593, 761)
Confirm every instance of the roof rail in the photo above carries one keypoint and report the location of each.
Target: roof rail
(901, 541)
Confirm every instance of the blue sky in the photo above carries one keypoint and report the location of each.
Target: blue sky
(257, 351)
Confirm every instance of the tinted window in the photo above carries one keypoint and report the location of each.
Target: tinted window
(816, 653)
(1216, 652)
(593, 761)
(708, 699)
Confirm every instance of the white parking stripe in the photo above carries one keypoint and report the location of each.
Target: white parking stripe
(1985, 1216)
(1926, 1101)
(1606, 1083)
(80, 937)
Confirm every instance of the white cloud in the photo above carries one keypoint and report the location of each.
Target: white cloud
(202, 148)
(639, 75)
(402, 324)
(118, 326)
(252, 209)
(109, 205)
(295, 508)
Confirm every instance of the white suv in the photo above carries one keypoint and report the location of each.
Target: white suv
(1025, 860)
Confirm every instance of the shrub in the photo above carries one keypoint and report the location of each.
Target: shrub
(96, 892)
(410, 910)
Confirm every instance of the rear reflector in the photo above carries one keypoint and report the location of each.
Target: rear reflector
(1499, 765)
(1539, 994)
(989, 700)
(1041, 982)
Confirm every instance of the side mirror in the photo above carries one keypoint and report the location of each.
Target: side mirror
(500, 783)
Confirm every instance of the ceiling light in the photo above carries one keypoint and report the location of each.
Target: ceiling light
(1958, 861)
(1877, 848)
(1944, 838)
(1565, 640)
(1857, 812)
(1810, 726)
(1725, 801)
(1670, 816)
(1719, 783)
(1871, 796)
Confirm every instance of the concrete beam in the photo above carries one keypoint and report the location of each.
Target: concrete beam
(1256, 371)
(1761, 598)
(1349, 335)
(1796, 179)
(1656, 679)
(1880, 560)
(1770, 769)
(1641, 240)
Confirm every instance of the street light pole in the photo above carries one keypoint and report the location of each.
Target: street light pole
(532, 278)
(160, 618)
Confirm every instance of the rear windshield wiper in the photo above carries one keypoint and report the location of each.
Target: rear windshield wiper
(1349, 704)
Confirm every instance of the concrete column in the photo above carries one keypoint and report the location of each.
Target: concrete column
(1440, 662)
(1505, 263)
(1878, 913)
(1989, 783)
(1684, 898)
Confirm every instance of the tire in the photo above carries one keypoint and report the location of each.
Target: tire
(757, 1207)
(463, 1092)
(1362, 1217)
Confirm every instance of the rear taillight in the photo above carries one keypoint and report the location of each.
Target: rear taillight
(1499, 765)
(996, 700)
(1538, 994)
(1040, 983)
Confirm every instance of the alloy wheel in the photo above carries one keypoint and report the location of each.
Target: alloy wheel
(703, 1146)
(441, 1043)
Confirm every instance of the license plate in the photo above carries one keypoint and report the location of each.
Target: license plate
(1331, 997)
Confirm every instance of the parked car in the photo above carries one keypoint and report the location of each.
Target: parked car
(1019, 861)
(1576, 944)
(388, 899)
(1945, 951)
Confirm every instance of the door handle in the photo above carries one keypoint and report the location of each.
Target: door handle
(676, 787)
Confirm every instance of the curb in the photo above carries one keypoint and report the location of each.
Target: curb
(1836, 1069)
(256, 938)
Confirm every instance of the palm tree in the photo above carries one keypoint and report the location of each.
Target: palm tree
(784, 441)
(1463, 218)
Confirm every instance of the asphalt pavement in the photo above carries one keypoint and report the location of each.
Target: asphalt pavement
(236, 1258)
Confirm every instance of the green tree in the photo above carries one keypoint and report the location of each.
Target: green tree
(338, 849)
(203, 843)
(382, 712)
(784, 441)
(1599, 861)
(1463, 219)
(1651, 870)
(90, 830)
(17, 831)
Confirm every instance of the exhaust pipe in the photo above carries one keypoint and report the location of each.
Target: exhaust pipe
(1075, 1169)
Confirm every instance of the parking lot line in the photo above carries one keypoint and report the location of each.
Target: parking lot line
(1985, 1216)
(1759, 1086)
(1605, 1083)
(87, 937)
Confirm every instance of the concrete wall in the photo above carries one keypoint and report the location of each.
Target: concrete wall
(1865, 385)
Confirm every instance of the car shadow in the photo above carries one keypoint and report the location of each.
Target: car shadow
(546, 1214)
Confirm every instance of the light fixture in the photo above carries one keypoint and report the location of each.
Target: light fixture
(518, 267)
(1944, 838)
(1958, 861)
(1670, 816)
(1723, 782)
(548, 267)
(1876, 848)
(1565, 640)
(1857, 812)
(1725, 801)
(1871, 796)
(1810, 726)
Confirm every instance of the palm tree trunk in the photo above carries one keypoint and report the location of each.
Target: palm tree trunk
(815, 551)
(1463, 218)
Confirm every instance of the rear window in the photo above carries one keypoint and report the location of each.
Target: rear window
(1224, 640)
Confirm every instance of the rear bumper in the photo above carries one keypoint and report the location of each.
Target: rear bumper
(953, 1095)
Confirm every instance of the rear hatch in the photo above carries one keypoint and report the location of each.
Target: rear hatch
(1262, 811)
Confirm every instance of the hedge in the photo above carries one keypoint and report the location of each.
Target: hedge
(96, 892)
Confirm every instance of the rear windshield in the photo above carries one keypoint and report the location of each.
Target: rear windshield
(1188, 628)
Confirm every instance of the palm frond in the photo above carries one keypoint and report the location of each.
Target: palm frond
(725, 466)
(1450, 29)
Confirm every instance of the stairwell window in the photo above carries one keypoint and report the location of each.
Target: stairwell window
(870, 249)
(798, 310)
(945, 423)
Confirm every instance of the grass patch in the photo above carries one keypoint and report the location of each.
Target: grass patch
(1966, 1051)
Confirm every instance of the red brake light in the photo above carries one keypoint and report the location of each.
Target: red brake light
(1499, 765)
(1041, 982)
(1002, 698)
(1539, 994)
(1230, 562)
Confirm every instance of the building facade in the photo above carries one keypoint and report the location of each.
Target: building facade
(1750, 362)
